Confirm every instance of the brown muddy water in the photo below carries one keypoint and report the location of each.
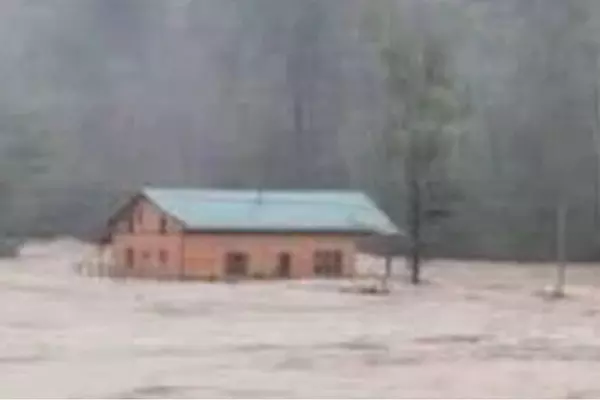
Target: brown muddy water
(475, 330)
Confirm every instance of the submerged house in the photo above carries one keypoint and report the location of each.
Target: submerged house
(221, 234)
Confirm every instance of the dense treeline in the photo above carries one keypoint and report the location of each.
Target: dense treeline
(490, 108)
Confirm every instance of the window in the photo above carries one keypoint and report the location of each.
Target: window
(320, 262)
(328, 263)
(139, 214)
(129, 258)
(236, 264)
(130, 225)
(163, 225)
(146, 255)
(163, 257)
(284, 265)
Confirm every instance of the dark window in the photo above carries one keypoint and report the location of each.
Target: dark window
(139, 214)
(284, 265)
(320, 261)
(146, 255)
(163, 225)
(129, 258)
(236, 264)
(130, 224)
(328, 263)
(164, 257)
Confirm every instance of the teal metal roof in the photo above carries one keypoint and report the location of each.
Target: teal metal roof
(272, 211)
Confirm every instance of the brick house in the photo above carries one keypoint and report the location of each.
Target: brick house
(220, 234)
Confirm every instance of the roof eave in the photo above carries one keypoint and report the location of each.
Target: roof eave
(208, 230)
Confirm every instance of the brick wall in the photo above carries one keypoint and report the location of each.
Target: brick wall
(155, 253)
(205, 254)
(171, 254)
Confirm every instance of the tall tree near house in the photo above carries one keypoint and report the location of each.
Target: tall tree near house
(423, 108)
(595, 54)
(554, 154)
(568, 40)
(535, 99)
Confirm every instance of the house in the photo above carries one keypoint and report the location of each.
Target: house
(218, 234)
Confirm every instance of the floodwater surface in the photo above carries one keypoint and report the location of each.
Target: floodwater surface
(474, 330)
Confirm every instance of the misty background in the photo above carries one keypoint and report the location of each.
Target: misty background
(100, 97)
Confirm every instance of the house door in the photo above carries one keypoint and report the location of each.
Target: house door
(129, 258)
(236, 264)
(284, 265)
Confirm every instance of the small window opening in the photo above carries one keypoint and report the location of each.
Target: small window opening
(129, 258)
(139, 214)
(163, 224)
(284, 265)
(236, 264)
(328, 263)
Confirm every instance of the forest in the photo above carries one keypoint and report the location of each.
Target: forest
(478, 117)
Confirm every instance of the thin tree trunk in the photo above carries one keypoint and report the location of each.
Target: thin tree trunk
(597, 153)
(414, 210)
(561, 250)
(388, 274)
(415, 230)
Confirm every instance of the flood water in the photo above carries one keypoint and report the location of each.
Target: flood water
(475, 330)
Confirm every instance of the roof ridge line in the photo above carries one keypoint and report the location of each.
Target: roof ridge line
(278, 191)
